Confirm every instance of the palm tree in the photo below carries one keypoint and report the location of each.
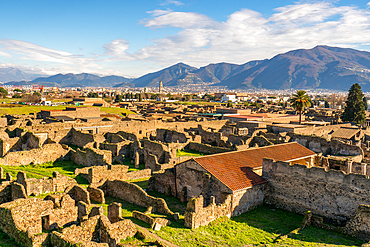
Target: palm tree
(299, 101)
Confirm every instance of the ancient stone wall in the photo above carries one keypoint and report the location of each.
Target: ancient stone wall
(359, 226)
(192, 181)
(96, 231)
(163, 181)
(169, 136)
(197, 215)
(34, 186)
(247, 199)
(334, 147)
(92, 157)
(96, 174)
(47, 153)
(24, 219)
(331, 194)
(79, 193)
(134, 194)
(206, 148)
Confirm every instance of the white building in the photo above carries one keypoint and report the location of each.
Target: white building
(229, 97)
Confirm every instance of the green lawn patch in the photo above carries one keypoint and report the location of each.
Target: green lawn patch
(260, 227)
(184, 152)
(66, 167)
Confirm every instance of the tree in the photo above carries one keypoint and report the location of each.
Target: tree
(93, 95)
(229, 104)
(118, 98)
(326, 104)
(354, 111)
(299, 101)
(365, 103)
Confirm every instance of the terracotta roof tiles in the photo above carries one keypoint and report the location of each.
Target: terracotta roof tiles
(234, 169)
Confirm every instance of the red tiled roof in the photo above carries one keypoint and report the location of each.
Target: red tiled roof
(234, 169)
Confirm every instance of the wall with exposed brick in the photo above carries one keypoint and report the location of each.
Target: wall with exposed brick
(331, 194)
(197, 215)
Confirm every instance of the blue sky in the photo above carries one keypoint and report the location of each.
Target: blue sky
(132, 38)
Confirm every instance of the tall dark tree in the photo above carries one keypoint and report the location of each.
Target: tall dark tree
(365, 103)
(299, 101)
(354, 110)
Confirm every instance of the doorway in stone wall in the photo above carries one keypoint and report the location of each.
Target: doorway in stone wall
(45, 222)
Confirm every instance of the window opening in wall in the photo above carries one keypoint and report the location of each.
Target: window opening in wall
(45, 222)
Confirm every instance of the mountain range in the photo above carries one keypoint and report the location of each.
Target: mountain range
(320, 67)
(78, 80)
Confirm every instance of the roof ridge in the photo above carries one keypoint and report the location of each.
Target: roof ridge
(252, 148)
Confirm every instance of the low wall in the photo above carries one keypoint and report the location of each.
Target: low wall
(197, 215)
(205, 148)
(47, 153)
(92, 157)
(134, 194)
(331, 194)
(96, 174)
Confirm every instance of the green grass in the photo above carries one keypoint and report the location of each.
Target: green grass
(183, 152)
(6, 241)
(142, 182)
(46, 170)
(263, 226)
(26, 109)
(131, 166)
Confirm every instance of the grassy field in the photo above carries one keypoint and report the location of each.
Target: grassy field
(33, 109)
(263, 226)
(46, 170)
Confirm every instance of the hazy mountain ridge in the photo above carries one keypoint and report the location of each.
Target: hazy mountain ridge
(319, 67)
(13, 74)
(79, 80)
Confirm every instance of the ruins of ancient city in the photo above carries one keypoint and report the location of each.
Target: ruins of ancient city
(314, 165)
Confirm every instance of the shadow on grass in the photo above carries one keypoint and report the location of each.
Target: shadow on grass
(276, 221)
(173, 203)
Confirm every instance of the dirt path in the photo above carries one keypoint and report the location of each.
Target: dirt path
(146, 231)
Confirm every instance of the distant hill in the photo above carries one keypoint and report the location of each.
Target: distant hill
(169, 76)
(320, 67)
(184, 75)
(13, 74)
(78, 80)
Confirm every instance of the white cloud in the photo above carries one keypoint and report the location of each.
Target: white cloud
(181, 20)
(168, 2)
(158, 12)
(248, 35)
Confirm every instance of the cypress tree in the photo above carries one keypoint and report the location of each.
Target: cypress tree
(354, 110)
(365, 103)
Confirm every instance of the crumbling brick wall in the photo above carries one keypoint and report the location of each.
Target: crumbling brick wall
(34, 186)
(92, 157)
(95, 231)
(359, 226)
(197, 215)
(134, 194)
(206, 148)
(47, 153)
(334, 147)
(97, 174)
(331, 194)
